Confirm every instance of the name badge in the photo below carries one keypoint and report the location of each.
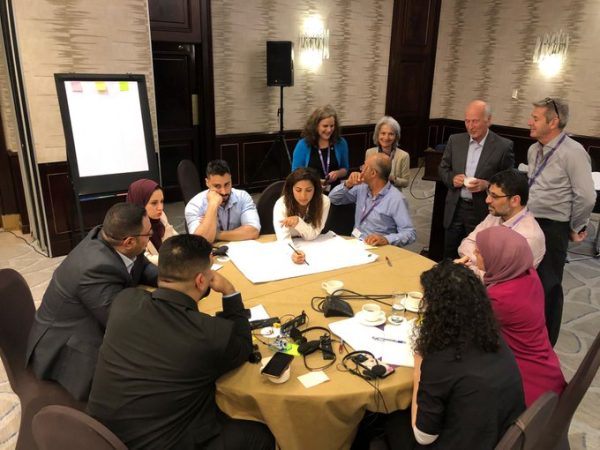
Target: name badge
(356, 233)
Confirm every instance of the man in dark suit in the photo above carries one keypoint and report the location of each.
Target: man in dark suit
(469, 161)
(155, 379)
(69, 325)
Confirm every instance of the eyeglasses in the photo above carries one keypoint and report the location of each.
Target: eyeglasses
(496, 196)
(149, 234)
(549, 100)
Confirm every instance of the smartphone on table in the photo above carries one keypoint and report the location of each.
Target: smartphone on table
(278, 363)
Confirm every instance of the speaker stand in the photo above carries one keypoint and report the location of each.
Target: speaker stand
(279, 142)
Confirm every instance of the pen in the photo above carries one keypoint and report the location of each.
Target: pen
(297, 253)
(389, 263)
(382, 339)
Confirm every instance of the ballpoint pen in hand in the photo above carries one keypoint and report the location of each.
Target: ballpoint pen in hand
(298, 253)
(383, 339)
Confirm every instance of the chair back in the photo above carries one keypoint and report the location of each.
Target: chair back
(556, 436)
(527, 430)
(265, 205)
(16, 319)
(340, 219)
(57, 427)
(188, 179)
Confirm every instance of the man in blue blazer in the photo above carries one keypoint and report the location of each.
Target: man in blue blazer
(470, 159)
(69, 325)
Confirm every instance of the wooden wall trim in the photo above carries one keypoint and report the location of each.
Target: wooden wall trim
(441, 129)
(245, 152)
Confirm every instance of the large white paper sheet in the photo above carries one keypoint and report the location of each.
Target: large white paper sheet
(360, 337)
(261, 262)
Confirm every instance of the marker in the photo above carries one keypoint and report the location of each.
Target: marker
(389, 263)
(297, 253)
(382, 339)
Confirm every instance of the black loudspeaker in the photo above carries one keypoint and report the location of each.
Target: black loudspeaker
(280, 63)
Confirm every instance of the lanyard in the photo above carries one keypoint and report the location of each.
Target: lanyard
(538, 169)
(366, 214)
(228, 217)
(325, 167)
(516, 222)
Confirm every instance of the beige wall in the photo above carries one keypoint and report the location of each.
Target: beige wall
(353, 80)
(84, 36)
(485, 50)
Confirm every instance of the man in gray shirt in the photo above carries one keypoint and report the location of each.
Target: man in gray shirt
(561, 197)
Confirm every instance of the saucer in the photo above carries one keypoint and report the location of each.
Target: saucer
(410, 308)
(370, 323)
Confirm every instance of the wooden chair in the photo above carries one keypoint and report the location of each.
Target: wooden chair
(58, 427)
(527, 430)
(17, 315)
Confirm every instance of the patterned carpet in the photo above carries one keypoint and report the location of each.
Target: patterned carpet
(581, 318)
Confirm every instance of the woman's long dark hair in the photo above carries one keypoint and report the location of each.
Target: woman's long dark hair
(456, 312)
(315, 207)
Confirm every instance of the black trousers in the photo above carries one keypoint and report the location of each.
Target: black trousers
(239, 434)
(551, 271)
(463, 222)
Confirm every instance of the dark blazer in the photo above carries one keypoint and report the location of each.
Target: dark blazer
(155, 379)
(497, 155)
(69, 325)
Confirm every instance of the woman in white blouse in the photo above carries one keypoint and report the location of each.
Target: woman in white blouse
(302, 209)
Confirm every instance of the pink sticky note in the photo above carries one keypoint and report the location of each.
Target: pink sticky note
(76, 86)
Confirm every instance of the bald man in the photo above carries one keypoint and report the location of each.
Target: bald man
(470, 159)
(381, 216)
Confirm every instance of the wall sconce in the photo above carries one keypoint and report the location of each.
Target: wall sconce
(551, 52)
(313, 42)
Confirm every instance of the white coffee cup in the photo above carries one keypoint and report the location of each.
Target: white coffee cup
(413, 300)
(332, 285)
(371, 312)
(468, 181)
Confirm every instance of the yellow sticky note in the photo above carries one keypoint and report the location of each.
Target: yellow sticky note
(123, 85)
(101, 86)
(292, 349)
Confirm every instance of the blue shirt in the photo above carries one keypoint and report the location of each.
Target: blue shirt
(385, 214)
(473, 155)
(239, 210)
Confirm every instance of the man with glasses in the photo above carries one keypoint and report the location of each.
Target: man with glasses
(469, 160)
(69, 325)
(154, 385)
(561, 196)
(381, 215)
(507, 197)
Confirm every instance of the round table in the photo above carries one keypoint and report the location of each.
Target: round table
(325, 416)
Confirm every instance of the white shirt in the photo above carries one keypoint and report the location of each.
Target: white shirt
(304, 230)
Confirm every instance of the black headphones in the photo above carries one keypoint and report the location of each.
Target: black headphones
(362, 368)
(306, 347)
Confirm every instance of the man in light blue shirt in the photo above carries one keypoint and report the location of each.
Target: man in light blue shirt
(381, 215)
(222, 213)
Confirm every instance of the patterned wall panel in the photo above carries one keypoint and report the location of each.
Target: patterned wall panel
(7, 108)
(87, 36)
(354, 79)
(485, 50)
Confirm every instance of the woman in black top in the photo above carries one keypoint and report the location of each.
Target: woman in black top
(467, 387)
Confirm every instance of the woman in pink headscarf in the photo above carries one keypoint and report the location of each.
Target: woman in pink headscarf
(148, 193)
(517, 299)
